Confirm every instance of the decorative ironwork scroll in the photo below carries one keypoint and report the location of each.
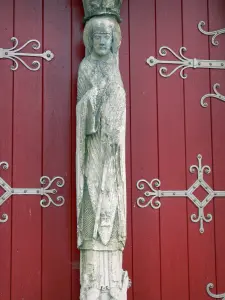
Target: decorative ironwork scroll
(216, 95)
(46, 191)
(215, 296)
(154, 194)
(182, 63)
(15, 54)
(214, 33)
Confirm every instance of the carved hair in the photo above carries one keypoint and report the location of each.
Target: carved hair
(110, 25)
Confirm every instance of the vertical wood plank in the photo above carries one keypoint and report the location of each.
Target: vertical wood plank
(77, 56)
(216, 21)
(144, 150)
(56, 258)
(198, 141)
(172, 168)
(6, 105)
(27, 143)
(125, 73)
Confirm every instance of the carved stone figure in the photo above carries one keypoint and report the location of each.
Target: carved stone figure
(100, 165)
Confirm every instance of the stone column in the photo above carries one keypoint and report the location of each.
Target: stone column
(100, 156)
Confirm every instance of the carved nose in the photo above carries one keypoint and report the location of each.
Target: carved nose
(102, 40)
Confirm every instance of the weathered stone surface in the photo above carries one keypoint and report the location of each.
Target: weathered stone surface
(100, 165)
(93, 8)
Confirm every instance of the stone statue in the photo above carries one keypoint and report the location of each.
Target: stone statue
(100, 163)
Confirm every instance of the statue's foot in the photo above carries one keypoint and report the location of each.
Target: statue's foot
(93, 294)
(115, 293)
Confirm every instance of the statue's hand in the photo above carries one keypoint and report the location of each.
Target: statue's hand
(102, 84)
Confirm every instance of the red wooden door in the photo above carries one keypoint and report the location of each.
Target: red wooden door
(38, 256)
(166, 256)
(169, 128)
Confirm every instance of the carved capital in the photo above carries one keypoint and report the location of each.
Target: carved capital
(93, 8)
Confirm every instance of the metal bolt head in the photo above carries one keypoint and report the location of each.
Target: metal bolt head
(49, 55)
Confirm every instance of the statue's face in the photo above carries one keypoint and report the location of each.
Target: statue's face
(102, 43)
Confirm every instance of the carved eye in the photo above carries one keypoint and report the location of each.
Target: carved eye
(97, 37)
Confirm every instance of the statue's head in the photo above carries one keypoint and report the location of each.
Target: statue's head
(101, 36)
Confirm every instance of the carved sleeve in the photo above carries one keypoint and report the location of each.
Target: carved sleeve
(114, 113)
(83, 84)
(87, 93)
(92, 115)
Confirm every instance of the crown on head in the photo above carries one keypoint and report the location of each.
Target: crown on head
(94, 8)
(101, 26)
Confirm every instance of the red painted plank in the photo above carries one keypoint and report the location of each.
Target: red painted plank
(125, 72)
(216, 21)
(77, 56)
(56, 258)
(6, 94)
(145, 222)
(172, 169)
(27, 132)
(198, 141)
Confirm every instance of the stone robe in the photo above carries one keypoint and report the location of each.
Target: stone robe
(101, 181)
